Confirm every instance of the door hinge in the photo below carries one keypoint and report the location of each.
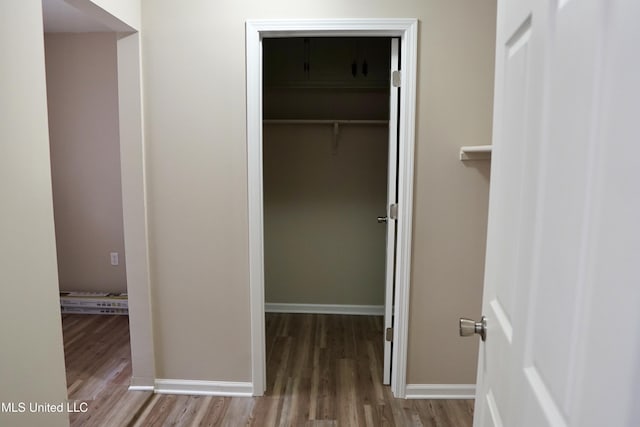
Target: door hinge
(388, 334)
(395, 78)
(393, 211)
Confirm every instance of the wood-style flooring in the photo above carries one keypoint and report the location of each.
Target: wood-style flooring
(98, 359)
(322, 370)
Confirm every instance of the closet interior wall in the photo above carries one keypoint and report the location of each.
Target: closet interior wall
(324, 186)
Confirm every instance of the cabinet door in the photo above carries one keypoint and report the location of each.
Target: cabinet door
(284, 61)
(327, 62)
(331, 60)
(373, 61)
(349, 62)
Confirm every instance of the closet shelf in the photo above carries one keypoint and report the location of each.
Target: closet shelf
(321, 122)
(475, 152)
(335, 123)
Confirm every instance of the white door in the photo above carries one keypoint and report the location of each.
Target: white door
(392, 198)
(562, 290)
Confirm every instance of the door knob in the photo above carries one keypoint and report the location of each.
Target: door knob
(382, 219)
(470, 327)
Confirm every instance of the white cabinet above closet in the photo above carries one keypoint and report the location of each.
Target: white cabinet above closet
(327, 62)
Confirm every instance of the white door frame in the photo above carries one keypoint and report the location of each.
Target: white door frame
(392, 198)
(407, 31)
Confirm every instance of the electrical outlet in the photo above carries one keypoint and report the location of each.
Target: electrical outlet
(114, 258)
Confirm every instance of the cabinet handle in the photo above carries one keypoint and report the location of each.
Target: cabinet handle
(354, 68)
(307, 48)
(365, 68)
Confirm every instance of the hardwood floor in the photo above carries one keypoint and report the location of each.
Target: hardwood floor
(98, 359)
(322, 370)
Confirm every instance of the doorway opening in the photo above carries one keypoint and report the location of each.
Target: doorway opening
(82, 97)
(405, 30)
(93, 82)
(329, 161)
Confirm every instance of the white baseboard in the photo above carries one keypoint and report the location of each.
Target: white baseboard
(204, 388)
(141, 384)
(366, 310)
(140, 388)
(440, 391)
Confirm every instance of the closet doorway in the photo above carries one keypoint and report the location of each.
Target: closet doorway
(330, 147)
(329, 179)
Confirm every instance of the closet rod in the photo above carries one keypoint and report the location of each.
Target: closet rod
(325, 122)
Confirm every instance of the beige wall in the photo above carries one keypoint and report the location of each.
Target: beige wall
(82, 90)
(322, 242)
(195, 111)
(31, 356)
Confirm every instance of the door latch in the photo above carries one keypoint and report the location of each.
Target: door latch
(393, 211)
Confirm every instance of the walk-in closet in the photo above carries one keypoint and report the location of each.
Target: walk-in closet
(325, 161)
(326, 111)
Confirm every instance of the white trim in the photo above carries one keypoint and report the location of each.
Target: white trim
(141, 384)
(141, 388)
(134, 207)
(392, 199)
(254, 172)
(406, 144)
(203, 388)
(392, 27)
(361, 310)
(441, 391)
(407, 30)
